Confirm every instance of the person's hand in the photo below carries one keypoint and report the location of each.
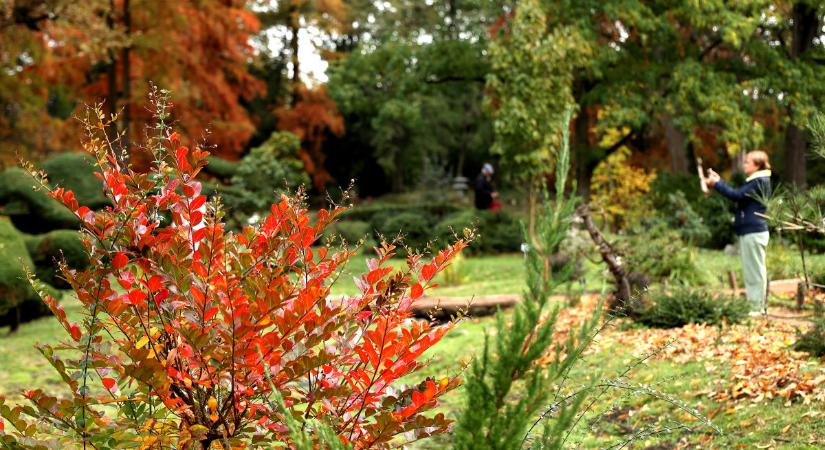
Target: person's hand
(712, 178)
(494, 195)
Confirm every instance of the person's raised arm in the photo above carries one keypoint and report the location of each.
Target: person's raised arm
(731, 193)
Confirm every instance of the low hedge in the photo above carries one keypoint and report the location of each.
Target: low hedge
(351, 231)
(437, 223)
(679, 307)
(496, 232)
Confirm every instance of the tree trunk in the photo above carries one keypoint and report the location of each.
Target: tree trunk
(126, 81)
(583, 154)
(676, 146)
(621, 298)
(532, 198)
(451, 13)
(294, 29)
(805, 30)
(111, 79)
(795, 144)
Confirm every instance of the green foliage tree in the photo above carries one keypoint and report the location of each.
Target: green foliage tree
(411, 91)
(261, 176)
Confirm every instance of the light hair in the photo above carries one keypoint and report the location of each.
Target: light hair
(760, 159)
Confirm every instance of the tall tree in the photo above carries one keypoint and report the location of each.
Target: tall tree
(661, 72)
(411, 91)
(531, 89)
(293, 16)
(87, 51)
(791, 59)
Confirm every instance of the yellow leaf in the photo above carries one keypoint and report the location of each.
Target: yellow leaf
(142, 342)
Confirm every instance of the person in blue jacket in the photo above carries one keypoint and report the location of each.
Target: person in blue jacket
(751, 228)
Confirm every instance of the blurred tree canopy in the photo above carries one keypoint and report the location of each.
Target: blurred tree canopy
(420, 90)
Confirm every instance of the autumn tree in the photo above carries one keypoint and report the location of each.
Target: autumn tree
(313, 118)
(293, 16)
(86, 51)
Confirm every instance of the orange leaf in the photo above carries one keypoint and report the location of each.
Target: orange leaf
(416, 291)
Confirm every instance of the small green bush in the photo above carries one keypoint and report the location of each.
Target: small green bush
(75, 171)
(29, 209)
(679, 307)
(659, 253)
(671, 192)
(495, 232)
(351, 231)
(415, 229)
(782, 261)
(14, 287)
(220, 168)
(270, 169)
(46, 249)
(813, 340)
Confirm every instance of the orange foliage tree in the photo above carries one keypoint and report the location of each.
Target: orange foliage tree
(84, 51)
(313, 118)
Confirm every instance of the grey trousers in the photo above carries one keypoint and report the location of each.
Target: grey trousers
(752, 249)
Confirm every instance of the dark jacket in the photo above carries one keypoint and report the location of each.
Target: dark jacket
(484, 192)
(747, 202)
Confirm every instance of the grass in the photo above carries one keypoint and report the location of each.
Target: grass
(615, 417)
(745, 425)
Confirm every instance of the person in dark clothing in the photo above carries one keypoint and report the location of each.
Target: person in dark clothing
(751, 228)
(486, 194)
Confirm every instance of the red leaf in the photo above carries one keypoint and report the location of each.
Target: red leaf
(74, 331)
(188, 191)
(210, 314)
(195, 218)
(416, 291)
(198, 202)
(198, 235)
(155, 283)
(428, 271)
(120, 260)
(137, 297)
(109, 383)
(85, 214)
(199, 269)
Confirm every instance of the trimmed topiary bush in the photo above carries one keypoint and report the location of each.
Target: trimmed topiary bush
(679, 307)
(351, 231)
(29, 209)
(75, 171)
(496, 232)
(415, 228)
(270, 169)
(220, 168)
(49, 248)
(15, 290)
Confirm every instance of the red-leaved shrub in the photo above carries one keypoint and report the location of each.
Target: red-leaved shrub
(196, 337)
